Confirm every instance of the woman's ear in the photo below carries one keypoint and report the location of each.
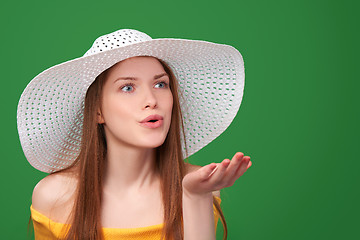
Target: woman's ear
(100, 118)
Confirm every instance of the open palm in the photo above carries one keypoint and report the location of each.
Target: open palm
(216, 176)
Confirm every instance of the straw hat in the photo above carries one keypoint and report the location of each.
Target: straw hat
(50, 110)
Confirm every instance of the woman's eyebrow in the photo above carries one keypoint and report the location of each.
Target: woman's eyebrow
(125, 78)
(134, 78)
(160, 75)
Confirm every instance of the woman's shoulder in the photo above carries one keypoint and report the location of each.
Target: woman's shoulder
(191, 167)
(53, 195)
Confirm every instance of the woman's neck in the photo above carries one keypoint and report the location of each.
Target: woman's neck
(129, 169)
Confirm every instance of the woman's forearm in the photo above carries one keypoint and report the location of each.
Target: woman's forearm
(198, 216)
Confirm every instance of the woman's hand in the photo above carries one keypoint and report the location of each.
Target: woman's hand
(216, 176)
(198, 198)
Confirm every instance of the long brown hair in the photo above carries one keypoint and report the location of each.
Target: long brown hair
(91, 164)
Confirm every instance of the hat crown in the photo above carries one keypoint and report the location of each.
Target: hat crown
(117, 39)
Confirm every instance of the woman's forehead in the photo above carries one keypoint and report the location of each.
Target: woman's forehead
(137, 67)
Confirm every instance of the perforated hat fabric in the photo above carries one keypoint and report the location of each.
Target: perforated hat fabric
(50, 110)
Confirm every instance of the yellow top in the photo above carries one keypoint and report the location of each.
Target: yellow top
(45, 228)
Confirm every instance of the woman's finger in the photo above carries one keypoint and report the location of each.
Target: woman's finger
(243, 167)
(233, 175)
(209, 170)
(220, 171)
(214, 170)
(234, 165)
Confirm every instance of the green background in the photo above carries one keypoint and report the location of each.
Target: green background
(298, 120)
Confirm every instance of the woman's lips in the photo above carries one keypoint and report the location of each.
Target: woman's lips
(152, 121)
(155, 124)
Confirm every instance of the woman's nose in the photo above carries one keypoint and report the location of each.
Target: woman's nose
(150, 99)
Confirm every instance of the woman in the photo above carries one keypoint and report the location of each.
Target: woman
(107, 126)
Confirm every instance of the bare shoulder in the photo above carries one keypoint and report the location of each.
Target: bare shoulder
(191, 167)
(54, 194)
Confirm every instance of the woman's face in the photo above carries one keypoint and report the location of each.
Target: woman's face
(135, 89)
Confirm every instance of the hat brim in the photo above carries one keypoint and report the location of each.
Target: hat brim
(50, 110)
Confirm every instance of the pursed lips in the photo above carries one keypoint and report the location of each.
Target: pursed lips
(152, 118)
(152, 121)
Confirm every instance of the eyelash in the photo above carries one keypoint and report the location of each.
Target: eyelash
(165, 83)
(126, 85)
(132, 85)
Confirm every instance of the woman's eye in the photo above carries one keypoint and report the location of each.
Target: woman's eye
(161, 85)
(127, 88)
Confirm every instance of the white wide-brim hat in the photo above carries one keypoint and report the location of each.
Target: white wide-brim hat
(50, 111)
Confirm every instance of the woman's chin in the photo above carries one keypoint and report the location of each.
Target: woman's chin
(153, 143)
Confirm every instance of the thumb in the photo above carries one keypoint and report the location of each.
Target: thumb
(208, 170)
